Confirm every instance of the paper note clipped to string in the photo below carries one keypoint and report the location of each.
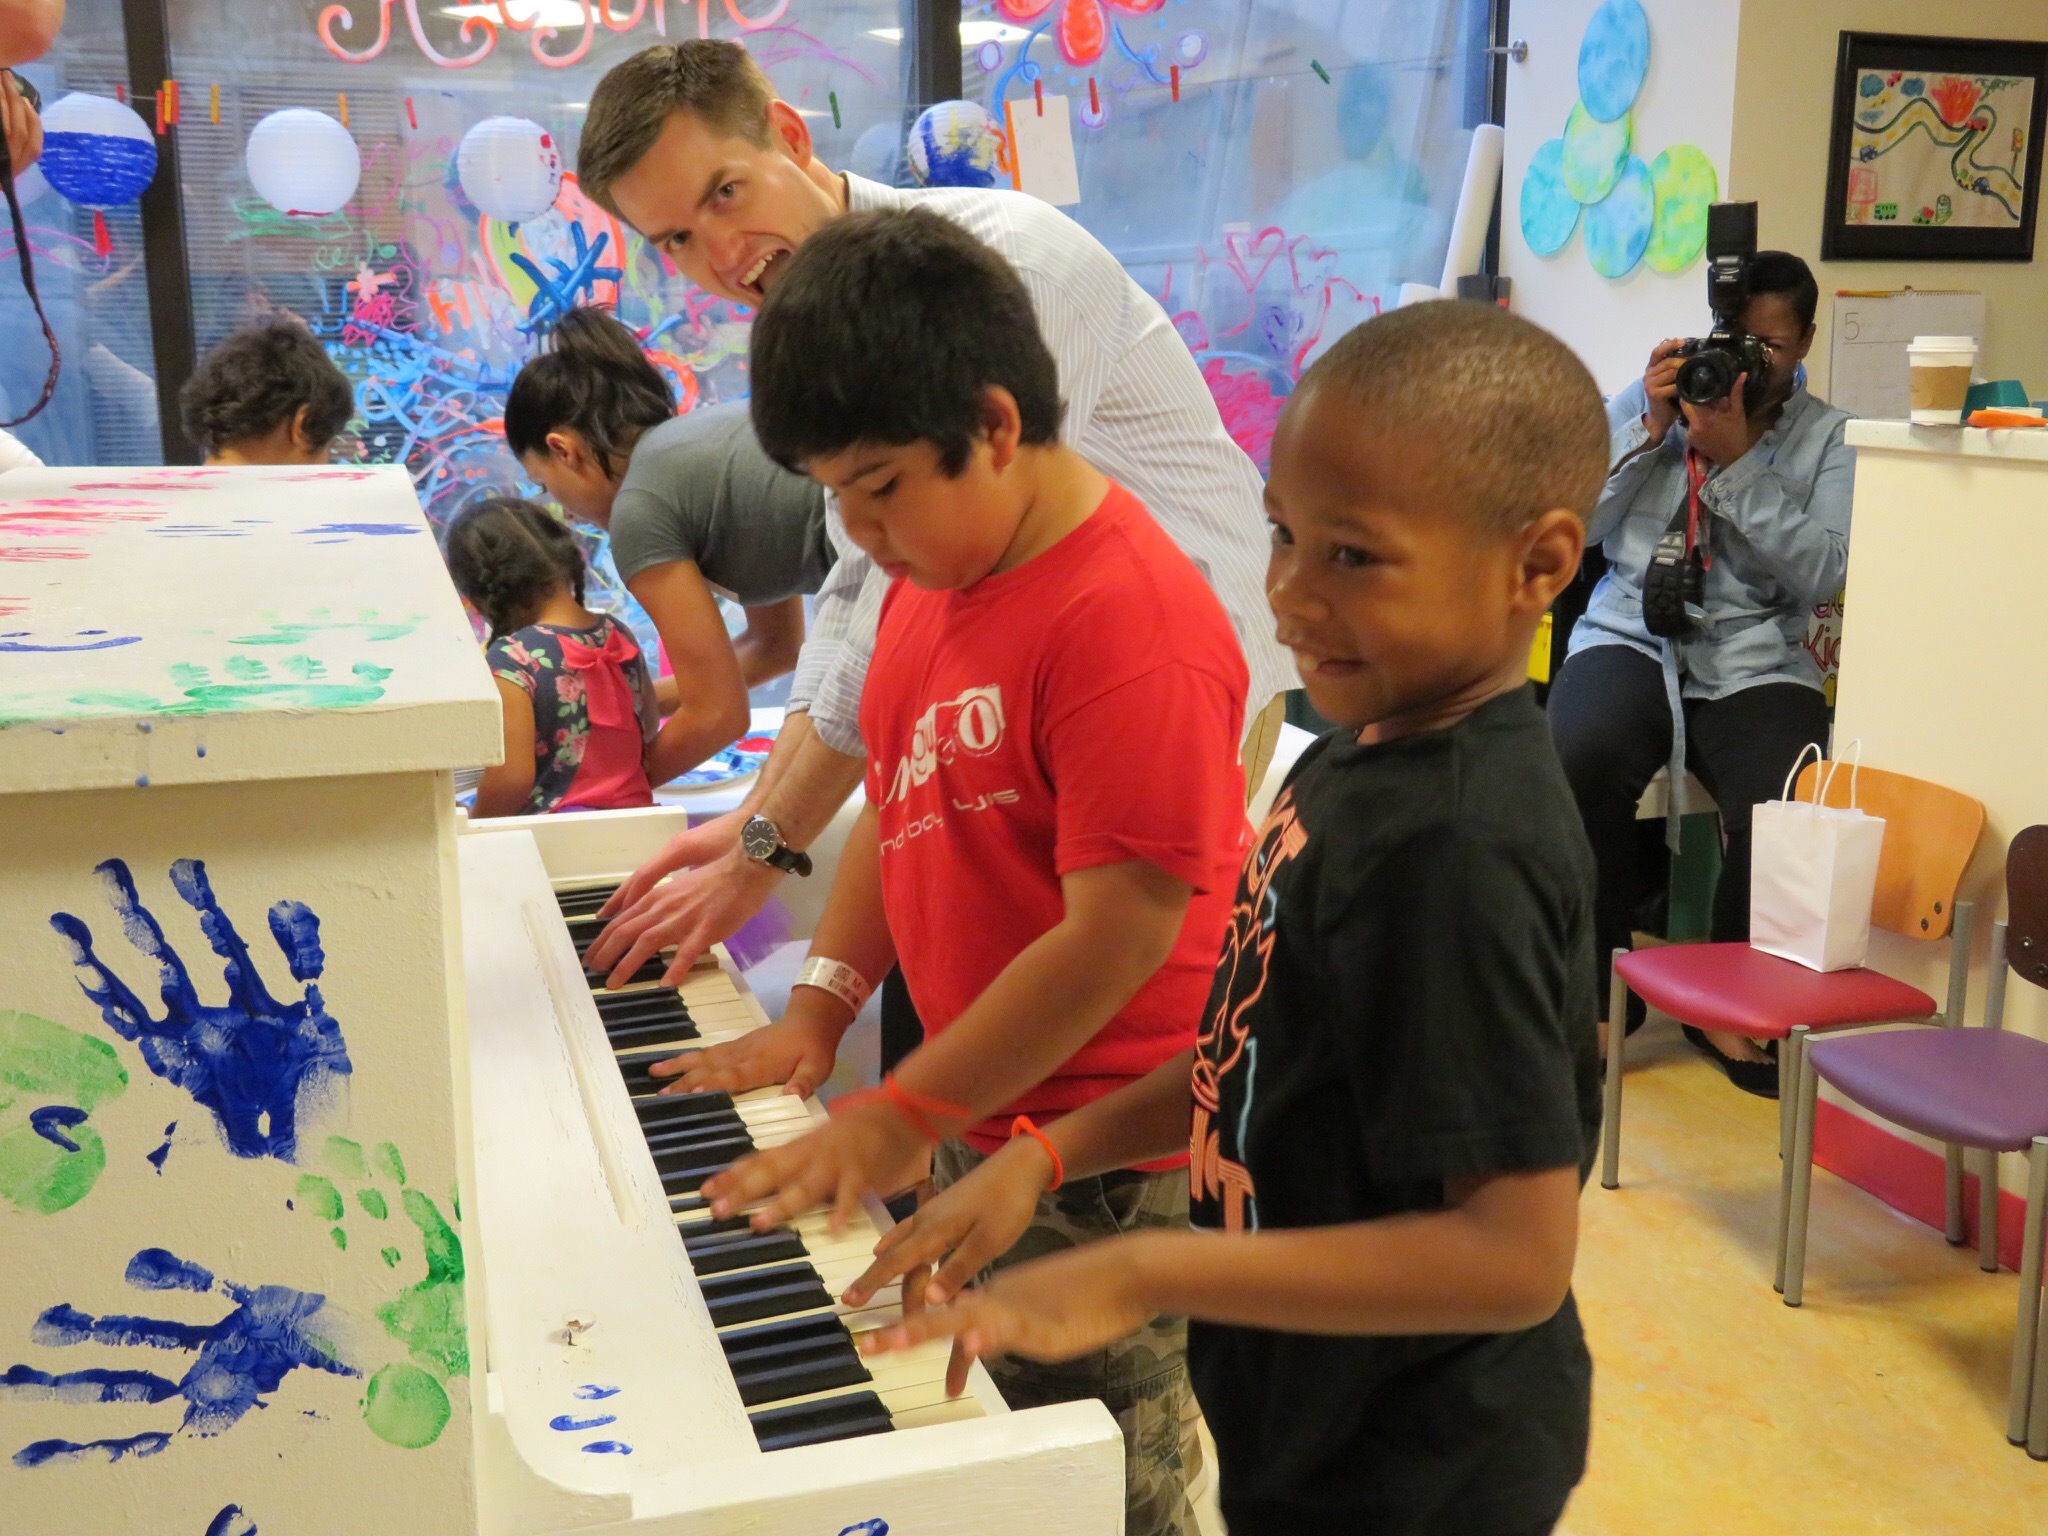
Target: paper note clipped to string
(1042, 150)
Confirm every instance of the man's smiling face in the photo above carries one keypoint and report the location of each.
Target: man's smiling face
(727, 211)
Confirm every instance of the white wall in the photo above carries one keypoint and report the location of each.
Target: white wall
(1784, 107)
(1688, 98)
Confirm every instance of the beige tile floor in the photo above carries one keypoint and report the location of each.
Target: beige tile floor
(1877, 1408)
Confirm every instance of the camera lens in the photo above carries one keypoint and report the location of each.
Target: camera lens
(1706, 376)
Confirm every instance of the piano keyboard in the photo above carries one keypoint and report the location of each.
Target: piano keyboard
(789, 1343)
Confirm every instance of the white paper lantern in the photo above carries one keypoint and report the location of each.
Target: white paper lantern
(511, 168)
(303, 162)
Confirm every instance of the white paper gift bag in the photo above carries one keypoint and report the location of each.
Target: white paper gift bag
(1812, 875)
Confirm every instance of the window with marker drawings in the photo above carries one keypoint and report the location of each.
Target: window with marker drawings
(428, 301)
(89, 270)
(1272, 173)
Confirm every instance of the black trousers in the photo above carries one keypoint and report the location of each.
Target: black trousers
(1612, 725)
(902, 1032)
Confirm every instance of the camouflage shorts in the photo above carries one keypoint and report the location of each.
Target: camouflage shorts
(1142, 1379)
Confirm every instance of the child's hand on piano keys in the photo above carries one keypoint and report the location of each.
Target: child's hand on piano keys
(967, 1226)
(795, 1053)
(869, 1148)
(1056, 1308)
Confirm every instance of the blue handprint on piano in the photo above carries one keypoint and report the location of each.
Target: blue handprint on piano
(241, 1359)
(254, 1061)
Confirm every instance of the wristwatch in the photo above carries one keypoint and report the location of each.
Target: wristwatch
(761, 841)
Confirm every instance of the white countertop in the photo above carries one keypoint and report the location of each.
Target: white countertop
(2021, 443)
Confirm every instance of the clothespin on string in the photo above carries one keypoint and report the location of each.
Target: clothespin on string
(1173, 71)
(1317, 66)
(1094, 97)
(1038, 95)
(411, 117)
(341, 98)
(216, 104)
(833, 97)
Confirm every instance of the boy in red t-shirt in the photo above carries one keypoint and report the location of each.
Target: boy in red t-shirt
(1055, 808)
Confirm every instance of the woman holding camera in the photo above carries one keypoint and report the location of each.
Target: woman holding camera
(1747, 498)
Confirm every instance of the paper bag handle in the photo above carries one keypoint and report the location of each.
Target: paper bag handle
(1798, 763)
(1822, 786)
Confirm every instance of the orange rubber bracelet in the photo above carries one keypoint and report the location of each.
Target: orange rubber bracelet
(1022, 1126)
(920, 1109)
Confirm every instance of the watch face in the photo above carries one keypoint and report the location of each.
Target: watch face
(758, 838)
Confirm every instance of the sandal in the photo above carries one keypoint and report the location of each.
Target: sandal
(1757, 1077)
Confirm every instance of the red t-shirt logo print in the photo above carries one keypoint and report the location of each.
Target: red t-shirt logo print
(972, 722)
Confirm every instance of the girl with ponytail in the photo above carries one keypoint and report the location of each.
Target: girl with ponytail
(694, 508)
(579, 705)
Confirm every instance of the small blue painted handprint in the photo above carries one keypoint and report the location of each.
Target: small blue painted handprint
(239, 1361)
(254, 1061)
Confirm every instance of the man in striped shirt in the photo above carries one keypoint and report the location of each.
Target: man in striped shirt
(689, 145)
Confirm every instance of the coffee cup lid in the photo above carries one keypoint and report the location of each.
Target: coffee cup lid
(1945, 343)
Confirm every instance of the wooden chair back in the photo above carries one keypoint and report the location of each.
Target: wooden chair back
(2026, 905)
(1929, 834)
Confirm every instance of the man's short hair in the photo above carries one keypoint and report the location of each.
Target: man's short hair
(891, 328)
(711, 79)
(1783, 273)
(1510, 417)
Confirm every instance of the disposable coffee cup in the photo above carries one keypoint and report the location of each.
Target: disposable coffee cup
(1940, 367)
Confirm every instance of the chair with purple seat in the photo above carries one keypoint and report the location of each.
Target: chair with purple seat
(1930, 833)
(1983, 1089)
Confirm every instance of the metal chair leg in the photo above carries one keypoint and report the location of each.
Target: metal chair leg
(1987, 1214)
(1802, 1180)
(1791, 1069)
(1953, 1201)
(1610, 1120)
(2027, 1332)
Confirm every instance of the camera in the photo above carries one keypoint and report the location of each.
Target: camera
(1713, 362)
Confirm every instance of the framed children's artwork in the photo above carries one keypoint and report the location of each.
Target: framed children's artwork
(1936, 153)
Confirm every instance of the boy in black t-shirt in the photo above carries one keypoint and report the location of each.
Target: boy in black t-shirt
(1395, 1091)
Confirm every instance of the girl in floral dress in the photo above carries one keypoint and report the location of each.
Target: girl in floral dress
(579, 704)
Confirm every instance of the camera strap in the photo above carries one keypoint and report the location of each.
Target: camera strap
(1695, 478)
(28, 281)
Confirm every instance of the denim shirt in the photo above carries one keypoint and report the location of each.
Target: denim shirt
(1778, 540)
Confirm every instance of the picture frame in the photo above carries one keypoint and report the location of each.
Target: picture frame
(1935, 153)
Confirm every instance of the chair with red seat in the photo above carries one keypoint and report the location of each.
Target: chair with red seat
(1979, 1088)
(1930, 833)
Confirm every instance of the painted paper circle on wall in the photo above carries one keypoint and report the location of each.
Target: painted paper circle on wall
(303, 162)
(1614, 56)
(1618, 226)
(955, 144)
(1684, 183)
(510, 168)
(1594, 153)
(96, 151)
(1549, 212)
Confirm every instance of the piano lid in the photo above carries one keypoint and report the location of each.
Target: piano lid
(184, 626)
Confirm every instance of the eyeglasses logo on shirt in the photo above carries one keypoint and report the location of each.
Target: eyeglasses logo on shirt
(971, 723)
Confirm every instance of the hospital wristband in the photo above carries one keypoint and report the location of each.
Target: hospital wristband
(836, 977)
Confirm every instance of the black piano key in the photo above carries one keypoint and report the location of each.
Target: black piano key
(756, 1294)
(651, 971)
(718, 1253)
(792, 1357)
(633, 1067)
(692, 1140)
(640, 1007)
(686, 1173)
(585, 900)
(677, 1109)
(633, 1037)
(834, 1418)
